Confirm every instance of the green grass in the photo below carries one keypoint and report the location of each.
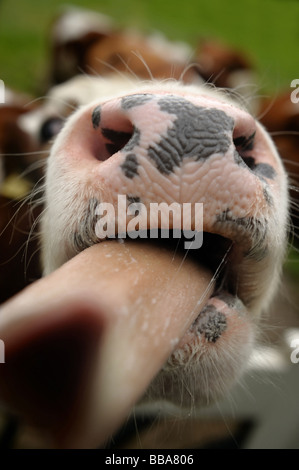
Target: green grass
(292, 263)
(268, 30)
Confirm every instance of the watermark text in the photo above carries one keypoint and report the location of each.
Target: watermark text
(153, 221)
(295, 353)
(2, 352)
(295, 93)
(2, 92)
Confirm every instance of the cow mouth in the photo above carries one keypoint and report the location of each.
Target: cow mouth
(214, 254)
(219, 254)
(224, 250)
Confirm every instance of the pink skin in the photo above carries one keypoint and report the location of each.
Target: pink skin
(119, 346)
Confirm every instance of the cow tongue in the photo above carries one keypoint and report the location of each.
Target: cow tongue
(83, 344)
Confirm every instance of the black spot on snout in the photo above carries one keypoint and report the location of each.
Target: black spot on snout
(211, 323)
(133, 141)
(261, 170)
(197, 132)
(96, 117)
(268, 197)
(133, 199)
(264, 170)
(130, 166)
(131, 101)
(85, 235)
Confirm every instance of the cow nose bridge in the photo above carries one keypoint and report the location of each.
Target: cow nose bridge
(183, 130)
(168, 129)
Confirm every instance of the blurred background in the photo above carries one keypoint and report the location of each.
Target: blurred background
(267, 30)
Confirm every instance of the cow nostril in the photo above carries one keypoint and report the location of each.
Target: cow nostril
(116, 139)
(114, 132)
(244, 145)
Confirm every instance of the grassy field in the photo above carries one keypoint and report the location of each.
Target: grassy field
(268, 30)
